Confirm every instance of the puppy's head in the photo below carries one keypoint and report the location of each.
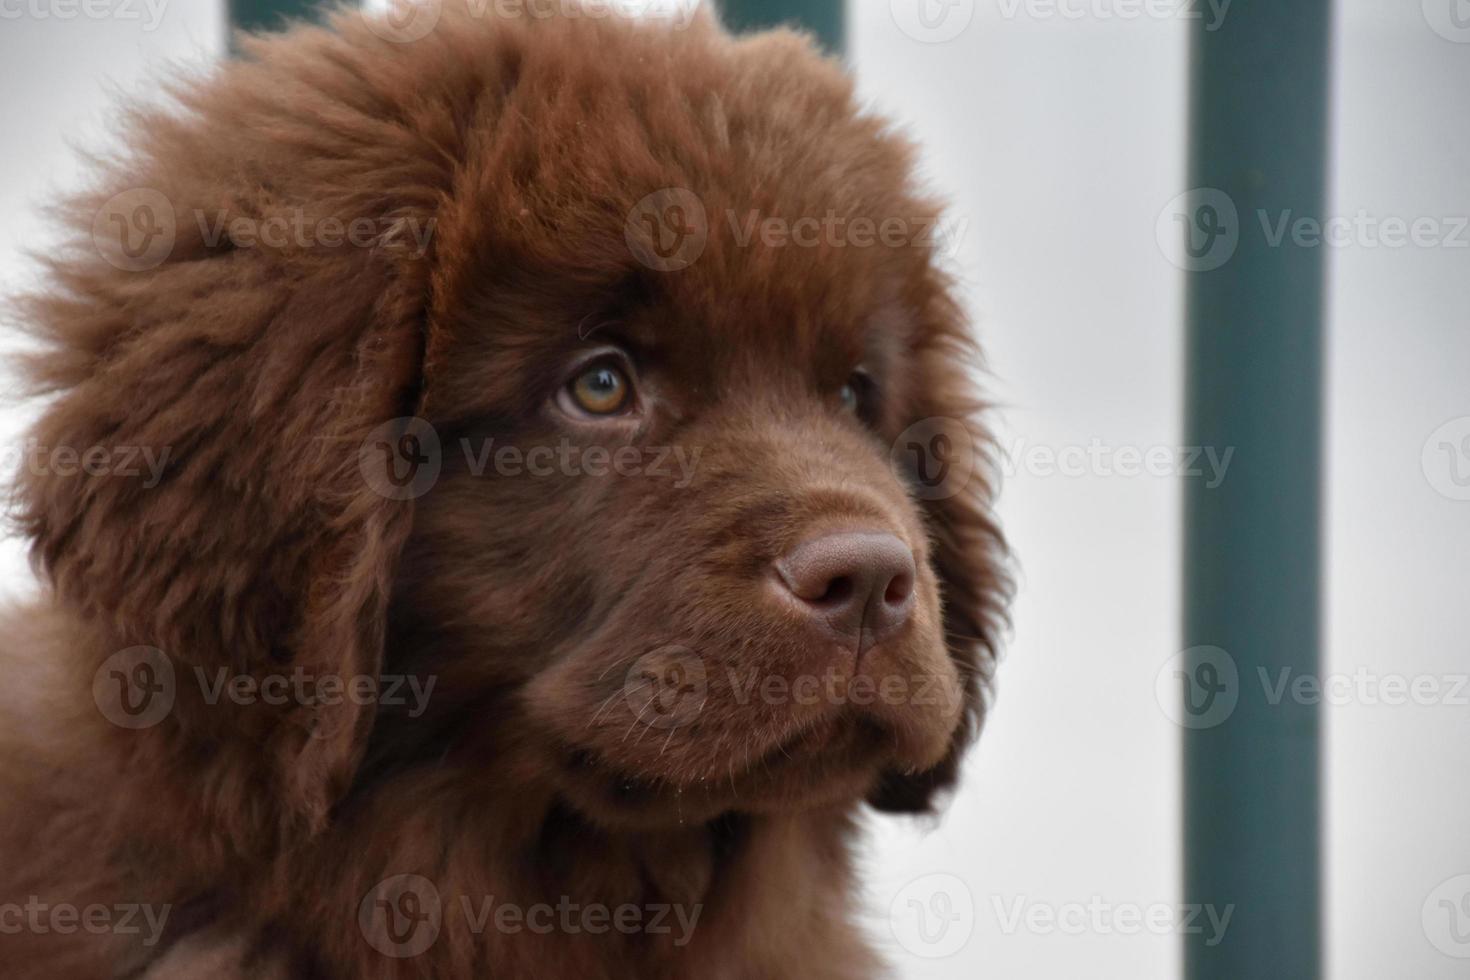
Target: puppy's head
(644, 427)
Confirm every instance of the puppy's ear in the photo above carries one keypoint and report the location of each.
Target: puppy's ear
(946, 454)
(244, 313)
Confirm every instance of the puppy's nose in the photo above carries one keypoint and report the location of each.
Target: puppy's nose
(851, 581)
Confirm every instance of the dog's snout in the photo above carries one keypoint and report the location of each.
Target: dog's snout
(852, 581)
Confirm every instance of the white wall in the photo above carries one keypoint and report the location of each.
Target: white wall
(1398, 776)
(1059, 142)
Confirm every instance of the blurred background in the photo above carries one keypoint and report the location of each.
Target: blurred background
(1059, 132)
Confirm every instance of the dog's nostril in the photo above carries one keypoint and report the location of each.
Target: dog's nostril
(852, 580)
(839, 590)
(899, 589)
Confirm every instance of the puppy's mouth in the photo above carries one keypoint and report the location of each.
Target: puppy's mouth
(782, 719)
(837, 759)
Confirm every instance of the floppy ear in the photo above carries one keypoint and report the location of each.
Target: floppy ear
(946, 453)
(245, 309)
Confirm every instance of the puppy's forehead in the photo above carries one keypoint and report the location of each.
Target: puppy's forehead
(718, 195)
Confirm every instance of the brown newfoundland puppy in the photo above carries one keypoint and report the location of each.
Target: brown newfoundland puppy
(510, 495)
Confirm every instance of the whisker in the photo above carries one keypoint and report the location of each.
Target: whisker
(606, 704)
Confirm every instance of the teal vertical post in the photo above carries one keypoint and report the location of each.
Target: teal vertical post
(1258, 156)
(269, 15)
(824, 18)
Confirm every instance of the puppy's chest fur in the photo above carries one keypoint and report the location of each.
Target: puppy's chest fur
(742, 897)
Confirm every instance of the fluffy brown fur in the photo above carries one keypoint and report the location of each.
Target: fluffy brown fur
(532, 600)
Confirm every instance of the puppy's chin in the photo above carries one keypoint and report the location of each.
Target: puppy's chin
(676, 738)
(838, 763)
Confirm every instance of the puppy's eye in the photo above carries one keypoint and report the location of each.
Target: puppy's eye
(602, 389)
(857, 395)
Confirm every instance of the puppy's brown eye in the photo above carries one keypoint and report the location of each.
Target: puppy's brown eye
(602, 389)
